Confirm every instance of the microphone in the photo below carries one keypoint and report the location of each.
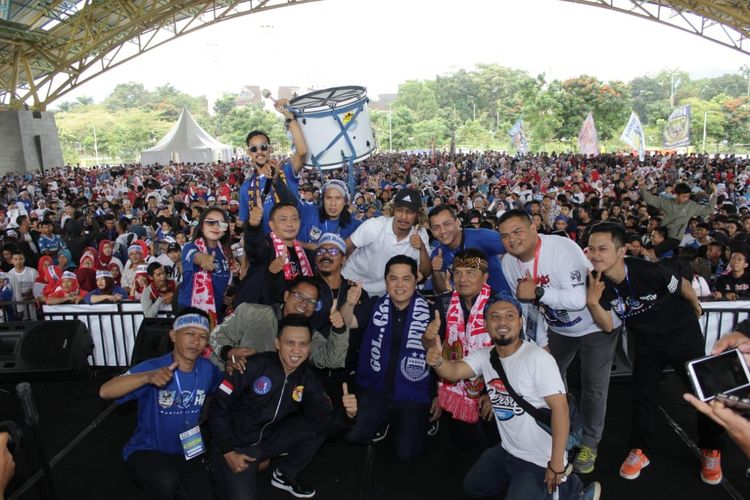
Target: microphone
(30, 413)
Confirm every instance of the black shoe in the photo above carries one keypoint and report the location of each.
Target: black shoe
(293, 486)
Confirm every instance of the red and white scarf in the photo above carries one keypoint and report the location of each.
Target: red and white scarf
(203, 287)
(462, 398)
(279, 247)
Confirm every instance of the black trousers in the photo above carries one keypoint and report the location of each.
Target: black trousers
(167, 477)
(652, 355)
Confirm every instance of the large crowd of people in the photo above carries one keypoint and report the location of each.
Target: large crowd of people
(433, 289)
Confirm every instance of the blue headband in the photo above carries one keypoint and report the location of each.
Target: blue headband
(503, 297)
(190, 320)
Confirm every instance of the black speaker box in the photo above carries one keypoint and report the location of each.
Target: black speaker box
(152, 339)
(44, 347)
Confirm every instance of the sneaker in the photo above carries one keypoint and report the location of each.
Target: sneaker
(711, 466)
(293, 486)
(631, 467)
(433, 428)
(381, 433)
(592, 492)
(584, 462)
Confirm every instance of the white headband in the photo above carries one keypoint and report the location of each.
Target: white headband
(190, 320)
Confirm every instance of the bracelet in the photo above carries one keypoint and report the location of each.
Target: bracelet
(437, 365)
(554, 471)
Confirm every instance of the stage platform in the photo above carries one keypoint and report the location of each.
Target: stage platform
(84, 435)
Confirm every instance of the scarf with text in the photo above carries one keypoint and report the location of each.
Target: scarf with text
(279, 247)
(203, 287)
(461, 338)
(412, 379)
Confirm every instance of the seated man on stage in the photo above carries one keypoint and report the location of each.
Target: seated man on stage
(171, 390)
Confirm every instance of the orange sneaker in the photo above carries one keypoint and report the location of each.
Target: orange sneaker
(711, 466)
(631, 467)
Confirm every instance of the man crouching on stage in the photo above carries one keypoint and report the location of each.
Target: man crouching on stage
(276, 406)
(170, 390)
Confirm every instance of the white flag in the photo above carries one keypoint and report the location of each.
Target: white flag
(633, 135)
(588, 139)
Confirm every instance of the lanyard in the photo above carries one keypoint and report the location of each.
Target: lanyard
(185, 402)
(536, 259)
(631, 301)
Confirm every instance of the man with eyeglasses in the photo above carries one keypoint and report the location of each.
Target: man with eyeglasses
(259, 149)
(550, 276)
(251, 328)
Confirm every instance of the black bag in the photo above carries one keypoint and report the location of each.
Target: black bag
(543, 416)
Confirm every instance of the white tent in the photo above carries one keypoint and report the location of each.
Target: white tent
(187, 142)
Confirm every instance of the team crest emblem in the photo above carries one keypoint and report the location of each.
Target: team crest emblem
(414, 368)
(297, 393)
(575, 275)
(315, 233)
(166, 398)
(262, 385)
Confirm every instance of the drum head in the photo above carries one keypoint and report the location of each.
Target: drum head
(328, 98)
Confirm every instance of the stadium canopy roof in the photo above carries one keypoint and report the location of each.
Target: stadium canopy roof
(49, 47)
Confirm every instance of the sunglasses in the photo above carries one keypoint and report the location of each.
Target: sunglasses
(221, 224)
(333, 252)
(262, 147)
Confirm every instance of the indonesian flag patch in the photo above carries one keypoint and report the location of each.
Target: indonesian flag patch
(227, 387)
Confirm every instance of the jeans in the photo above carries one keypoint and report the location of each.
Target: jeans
(294, 437)
(596, 351)
(167, 477)
(408, 423)
(650, 360)
(498, 471)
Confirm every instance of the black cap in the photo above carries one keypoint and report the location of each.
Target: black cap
(174, 247)
(409, 198)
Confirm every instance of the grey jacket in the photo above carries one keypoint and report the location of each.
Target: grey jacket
(676, 215)
(255, 325)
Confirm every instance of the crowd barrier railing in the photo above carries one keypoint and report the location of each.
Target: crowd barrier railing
(113, 328)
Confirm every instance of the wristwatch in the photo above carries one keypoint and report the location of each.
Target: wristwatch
(539, 293)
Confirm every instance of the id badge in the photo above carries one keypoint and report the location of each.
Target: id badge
(532, 321)
(192, 442)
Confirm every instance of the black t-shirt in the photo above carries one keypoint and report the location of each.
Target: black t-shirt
(729, 284)
(649, 300)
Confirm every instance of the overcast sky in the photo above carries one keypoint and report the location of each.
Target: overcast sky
(379, 44)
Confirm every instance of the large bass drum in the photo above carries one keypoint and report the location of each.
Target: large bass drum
(336, 125)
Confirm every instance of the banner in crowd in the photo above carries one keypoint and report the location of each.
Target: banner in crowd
(633, 135)
(4, 10)
(588, 139)
(518, 135)
(677, 131)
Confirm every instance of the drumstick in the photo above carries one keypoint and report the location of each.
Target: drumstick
(267, 94)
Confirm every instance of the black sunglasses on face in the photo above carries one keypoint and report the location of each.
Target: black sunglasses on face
(262, 147)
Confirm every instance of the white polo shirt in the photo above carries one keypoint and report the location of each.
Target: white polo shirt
(376, 243)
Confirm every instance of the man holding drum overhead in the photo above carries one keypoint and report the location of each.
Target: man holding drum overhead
(260, 183)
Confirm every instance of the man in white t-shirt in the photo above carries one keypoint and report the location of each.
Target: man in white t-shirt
(529, 462)
(377, 240)
(22, 280)
(548, 273)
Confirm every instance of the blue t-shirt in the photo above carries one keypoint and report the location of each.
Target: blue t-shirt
(219, 277)
(311, 227)
(54, 244)
(292, 182)
(163, 413)
(115, 289)
(487, 241)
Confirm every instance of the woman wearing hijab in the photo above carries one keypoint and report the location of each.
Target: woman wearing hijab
(106, 290)
(105, 257)
(86, 272)
(65, 260)
(67, 292)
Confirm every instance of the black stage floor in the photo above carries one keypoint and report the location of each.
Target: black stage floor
(91, 467)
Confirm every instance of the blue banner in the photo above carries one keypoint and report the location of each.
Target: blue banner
(677, 131)
(518, 136)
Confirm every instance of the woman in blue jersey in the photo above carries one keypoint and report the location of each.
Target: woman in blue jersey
(207, 265)
(331, 217)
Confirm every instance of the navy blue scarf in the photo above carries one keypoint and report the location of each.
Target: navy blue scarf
(413, 377)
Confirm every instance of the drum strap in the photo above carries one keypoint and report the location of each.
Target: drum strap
(266, 189)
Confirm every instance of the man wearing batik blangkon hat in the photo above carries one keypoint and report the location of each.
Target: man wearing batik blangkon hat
(331, 217)
(459, 321)
(170, 391)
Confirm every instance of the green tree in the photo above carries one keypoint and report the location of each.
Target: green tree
(419, 97)
(473, 134)
(127, 95)
(737, 113)
(430, 132)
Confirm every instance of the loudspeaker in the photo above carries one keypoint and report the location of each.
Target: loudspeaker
(152, 339)
(44, 347)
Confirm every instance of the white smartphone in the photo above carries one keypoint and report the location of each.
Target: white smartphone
(723, 373)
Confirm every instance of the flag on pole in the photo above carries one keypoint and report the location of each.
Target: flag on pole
(4, 9)
(677, 131)
(633, 135)
(588, 140)
(518, 136)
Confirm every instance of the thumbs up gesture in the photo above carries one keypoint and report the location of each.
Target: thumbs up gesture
(437, 260)
(415, 241)
(162, 376)
(526, 288)
(277, 264)
(435, 353)
(337, 321)
(354, 293)
(433, 328)
(349, 401)
(256, 213)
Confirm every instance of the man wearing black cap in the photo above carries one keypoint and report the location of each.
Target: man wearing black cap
(379, 239)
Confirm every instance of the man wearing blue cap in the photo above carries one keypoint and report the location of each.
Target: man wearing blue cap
(529, 462)
(170, 390)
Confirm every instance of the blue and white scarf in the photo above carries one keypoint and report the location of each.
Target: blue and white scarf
(413, 377)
